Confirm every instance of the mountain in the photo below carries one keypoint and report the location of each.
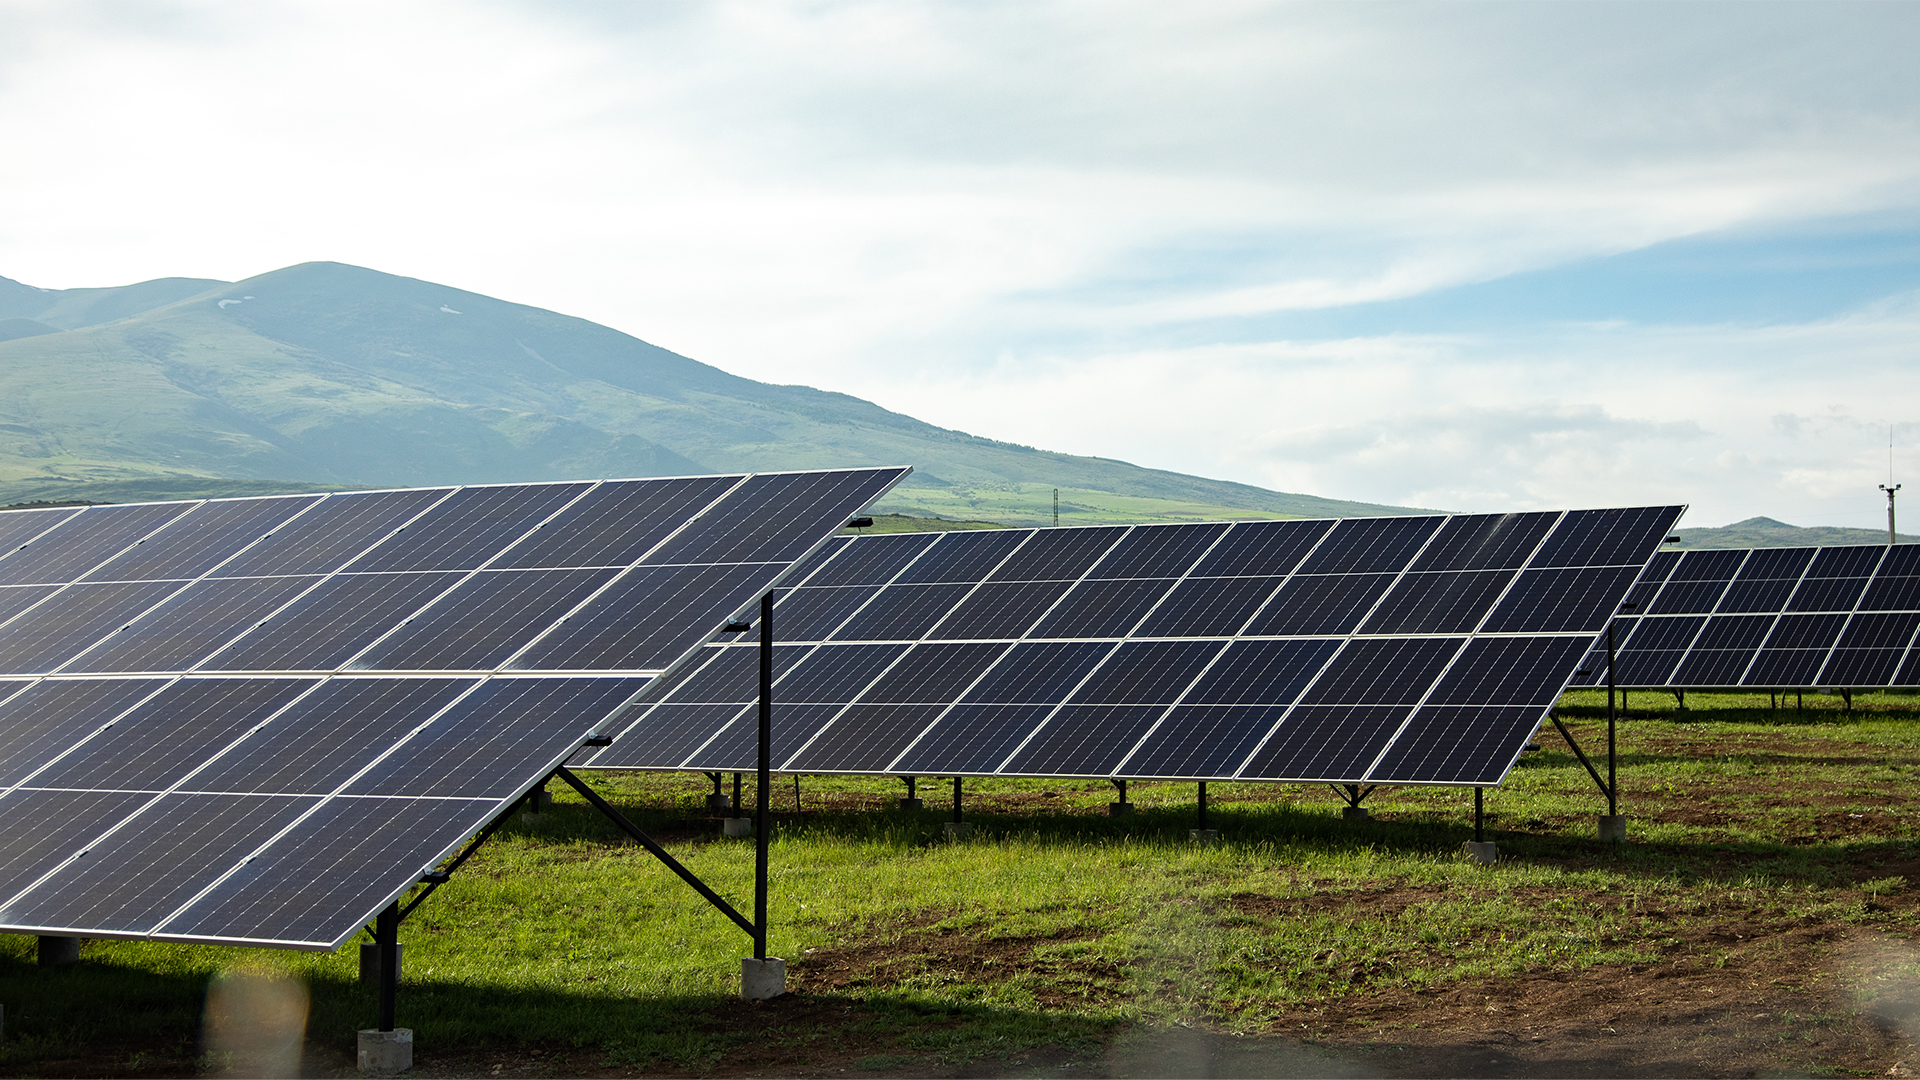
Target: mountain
(1765, 532)
(324, 374)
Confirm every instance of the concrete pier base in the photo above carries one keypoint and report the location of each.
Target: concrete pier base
(959, 830)
(370, 963)
(1355, 813)
(739, 828)
(58, 951)
(1119, 809)
(384, 1053)
(1203, 836)
(1482, 853)
(913, 804)
(1613, 827)
(761, 980)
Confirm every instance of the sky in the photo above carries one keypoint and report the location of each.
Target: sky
(1471, 257)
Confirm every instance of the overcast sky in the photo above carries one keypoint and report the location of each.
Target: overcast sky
(1471, 257)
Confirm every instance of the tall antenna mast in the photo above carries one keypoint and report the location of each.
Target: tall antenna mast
(1890, 489)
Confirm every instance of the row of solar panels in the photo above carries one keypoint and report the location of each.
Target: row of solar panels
(285, 799)
(623, 575)
(1771, 618)
(1389, 650)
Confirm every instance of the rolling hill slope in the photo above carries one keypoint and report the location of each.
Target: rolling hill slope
(327, 374)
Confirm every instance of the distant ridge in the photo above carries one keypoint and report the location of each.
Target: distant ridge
(328, 375)
(1765, 532)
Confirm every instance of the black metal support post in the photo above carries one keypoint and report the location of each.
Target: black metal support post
(1613, 803)
(911, 792)
(387, 931)
(736, 794)
(1846, 695)
(761, 824)
(1203, 804)
(1121, 787)
(956, 800)
(1479, 818)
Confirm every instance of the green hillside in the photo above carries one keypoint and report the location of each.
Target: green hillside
(1764, 532)
(330, 375)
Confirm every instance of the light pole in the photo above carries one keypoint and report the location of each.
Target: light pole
(1890, 490)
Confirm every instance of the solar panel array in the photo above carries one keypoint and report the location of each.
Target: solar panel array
(260, 720)
(1419, 649)
(1770, 618)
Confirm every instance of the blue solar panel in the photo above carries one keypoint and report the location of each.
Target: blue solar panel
(198, 766)
(1781, 618)
(1266, 650)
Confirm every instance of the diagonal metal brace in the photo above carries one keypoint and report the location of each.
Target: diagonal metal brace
(659, 852)
(439, 877)
(1577, 752)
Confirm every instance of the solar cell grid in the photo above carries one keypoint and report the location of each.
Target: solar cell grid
(1209, 607)
(327, 536)
(85, 540)
(1057, 554)
(190, 625)
(813, 614)
(1160, 551)
(270, 799)
(1320, 604)
(1606, 537)
(934, 673)
(617, 523)
(201, 540)
(1098, 609)
(1485, 542)
(468, 528)
(963, 557)
(1262, 548)
(1082, 740)
(1371, 545)
(45, 637)
(1000, 610)
(872, 561)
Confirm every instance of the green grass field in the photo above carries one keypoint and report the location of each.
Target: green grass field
(1062, 941)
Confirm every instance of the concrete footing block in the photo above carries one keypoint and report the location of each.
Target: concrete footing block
(959, 830)
(739, 828)
(719, 804)
(1613, 827)
(1355, 813)
(1482, 853)
(1119, 809)
(913, 804)
(1203, 836)
(762, 980)
(370, 962)
(384, 1053)
(58, 951)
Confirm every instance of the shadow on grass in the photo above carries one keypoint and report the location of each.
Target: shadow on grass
(1311, 831)
(106, 1019)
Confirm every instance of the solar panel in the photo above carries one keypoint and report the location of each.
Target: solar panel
(1769, 619)
(1420, 649)
(258, 721)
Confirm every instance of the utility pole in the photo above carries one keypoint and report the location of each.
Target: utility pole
(1890, 490)
(1056, 508)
